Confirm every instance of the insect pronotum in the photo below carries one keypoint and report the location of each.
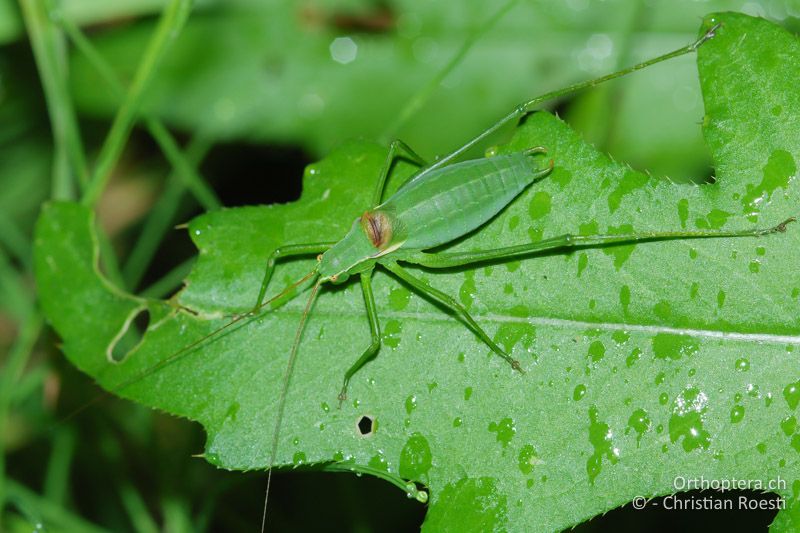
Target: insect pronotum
(441, 202)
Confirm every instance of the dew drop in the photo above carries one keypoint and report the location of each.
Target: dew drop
(789, 425)
(411, 404)
(791, 393)
(415, 458)
(528, 459)
(640, 422)
(795, 442)
(505, 430)
(391, 333)
(687, 420)
(579, 392)
(597, 350)
(633, 357)
(467, 291)
(601, 439)
(399, 298)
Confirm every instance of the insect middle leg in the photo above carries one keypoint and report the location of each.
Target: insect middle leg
(449, 302)
(374, 330)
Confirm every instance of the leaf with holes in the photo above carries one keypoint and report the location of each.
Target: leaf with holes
(644, 362)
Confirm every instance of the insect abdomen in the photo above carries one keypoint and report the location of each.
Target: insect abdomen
(452, 201)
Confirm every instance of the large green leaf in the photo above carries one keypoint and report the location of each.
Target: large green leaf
(644, 362)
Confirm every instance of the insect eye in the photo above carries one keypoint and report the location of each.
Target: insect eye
(334, 277)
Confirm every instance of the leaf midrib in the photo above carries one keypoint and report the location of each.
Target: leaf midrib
(443, 316)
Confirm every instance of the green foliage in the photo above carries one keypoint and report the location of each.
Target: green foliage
(270, 75)
(643, 362)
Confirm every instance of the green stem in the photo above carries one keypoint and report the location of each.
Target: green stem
(183, 164)
(639, 16)
(56, 483)
(17, 359)
(15, 241)
(17, 299)
(137, 510)
(109, 261)
(418, 100)
(160, 218)
(40, 509)
(169, 26)
(169, 282)
(48, 47)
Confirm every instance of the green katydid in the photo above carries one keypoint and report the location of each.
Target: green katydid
(440, 203)
(437, 205)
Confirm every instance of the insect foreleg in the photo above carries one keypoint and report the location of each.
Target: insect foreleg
(447, 260)
(448, 301)
(374, 330)
(395, 148)
(290, 250)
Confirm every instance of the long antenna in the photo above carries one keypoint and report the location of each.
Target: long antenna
(282, 400)
(188, 348)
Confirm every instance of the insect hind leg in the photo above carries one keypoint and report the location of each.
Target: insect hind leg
(455, 307)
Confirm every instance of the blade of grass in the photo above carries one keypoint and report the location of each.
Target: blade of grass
(17, 359)
(158, 222)
(181, 162)
(169, 27)
(177, 514)
(170, 282)
(161, 217)
(418, 100)
(137, 510)
(38, 509)
(15, 241)
(640, 15)
(109, 261)
(47, 42)
(17, 298)
(184, 165)
(56, 481)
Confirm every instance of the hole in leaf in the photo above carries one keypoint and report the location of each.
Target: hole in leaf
(130, 336)
(365, 425)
